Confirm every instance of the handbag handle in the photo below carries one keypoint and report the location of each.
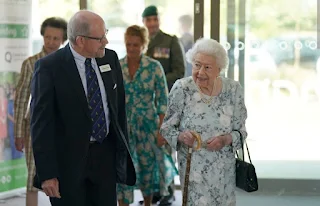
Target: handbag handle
(241, 138)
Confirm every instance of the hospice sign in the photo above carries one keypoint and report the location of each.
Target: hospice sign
(15, 41)
(15, 29)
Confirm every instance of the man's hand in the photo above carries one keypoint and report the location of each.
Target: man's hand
(19, 143)
(51, 188)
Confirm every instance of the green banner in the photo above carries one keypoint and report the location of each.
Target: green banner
(15, 37)
(13, 174)
(14, 31)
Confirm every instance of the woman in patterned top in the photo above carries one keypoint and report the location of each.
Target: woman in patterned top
(54, 33)
(146, 102)
(212, 106)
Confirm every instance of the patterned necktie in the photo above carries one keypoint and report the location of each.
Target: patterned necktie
(99, 128)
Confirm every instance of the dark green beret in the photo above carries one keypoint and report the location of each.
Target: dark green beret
(150, 11)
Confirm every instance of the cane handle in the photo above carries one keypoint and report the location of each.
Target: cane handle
(198, 139)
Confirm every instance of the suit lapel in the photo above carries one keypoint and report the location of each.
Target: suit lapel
(107, 76)
(74, 78)
(109, 82)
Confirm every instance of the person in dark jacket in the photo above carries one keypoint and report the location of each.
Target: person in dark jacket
(78, 119)
(163, 47)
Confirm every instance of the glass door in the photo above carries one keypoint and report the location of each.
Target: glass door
(272, 45)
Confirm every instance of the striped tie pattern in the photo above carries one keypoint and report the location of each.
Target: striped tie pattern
(99, 127)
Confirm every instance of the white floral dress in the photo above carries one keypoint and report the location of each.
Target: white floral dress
(212, 173)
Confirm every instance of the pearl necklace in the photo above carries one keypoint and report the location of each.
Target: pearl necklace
(203, 98)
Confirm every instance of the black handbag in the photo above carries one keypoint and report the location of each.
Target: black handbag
(246, 178)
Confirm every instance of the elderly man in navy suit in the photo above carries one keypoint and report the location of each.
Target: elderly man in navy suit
(78, 119)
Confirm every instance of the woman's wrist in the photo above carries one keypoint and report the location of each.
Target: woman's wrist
(180, 137)
(227, 139)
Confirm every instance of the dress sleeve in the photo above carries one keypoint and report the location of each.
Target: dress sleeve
(239, 118)
(161, 90)
(170, 126)
(22, 99)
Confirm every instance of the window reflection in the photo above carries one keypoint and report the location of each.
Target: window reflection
(282, 86)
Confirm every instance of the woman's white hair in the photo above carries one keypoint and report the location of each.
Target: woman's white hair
(212, 48)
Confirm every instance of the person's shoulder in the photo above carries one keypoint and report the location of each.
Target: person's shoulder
(146, 60)
(185, 83)
(150, 63)
(168, 36)
(230, 84)
(50, 61)
(123, 62)
(230, 81)
(111, 53)
(165, 34)
(187, 37)
(34, 57)
(187, 80)
(60, 53)
(111, 57)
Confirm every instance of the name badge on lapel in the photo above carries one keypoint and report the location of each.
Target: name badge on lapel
(105, 68)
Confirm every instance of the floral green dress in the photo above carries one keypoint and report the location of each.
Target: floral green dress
(146, 98)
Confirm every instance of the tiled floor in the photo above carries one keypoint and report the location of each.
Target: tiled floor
(243, 199)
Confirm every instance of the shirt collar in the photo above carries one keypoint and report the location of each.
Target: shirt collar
(44, 51)
(153, 36)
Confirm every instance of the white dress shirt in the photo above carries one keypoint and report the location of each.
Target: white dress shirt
(82, 72)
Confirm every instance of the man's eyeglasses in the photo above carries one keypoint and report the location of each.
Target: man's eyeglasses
(96, 38)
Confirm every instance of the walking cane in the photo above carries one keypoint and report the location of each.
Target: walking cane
(186, 177)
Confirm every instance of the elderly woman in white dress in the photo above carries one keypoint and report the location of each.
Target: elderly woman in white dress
(212, 106)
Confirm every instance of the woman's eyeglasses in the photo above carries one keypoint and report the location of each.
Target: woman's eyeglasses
(197, 66)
